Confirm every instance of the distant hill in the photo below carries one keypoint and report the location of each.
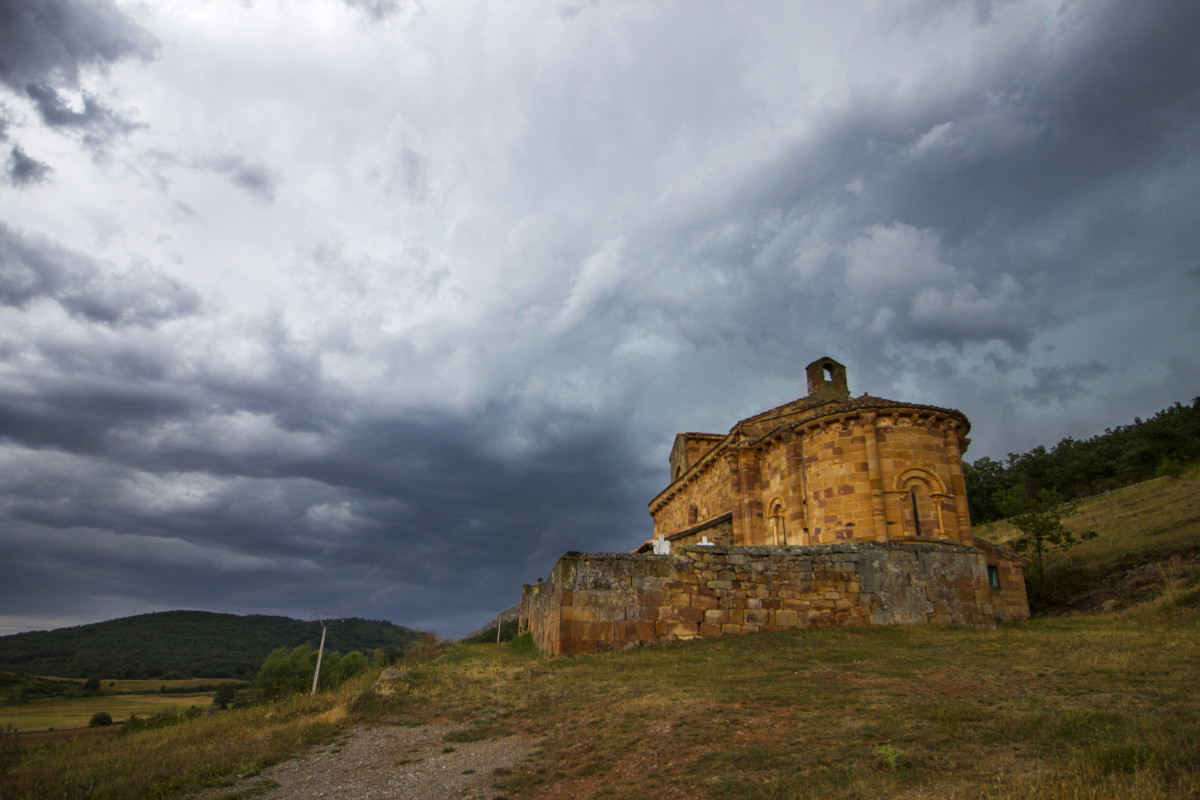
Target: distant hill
(197, 644)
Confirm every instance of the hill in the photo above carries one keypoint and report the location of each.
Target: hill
(1148, 540)
(197, 644)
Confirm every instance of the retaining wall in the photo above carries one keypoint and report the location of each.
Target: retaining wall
(597, 601)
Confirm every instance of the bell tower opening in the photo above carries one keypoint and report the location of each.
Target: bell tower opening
(827, 380)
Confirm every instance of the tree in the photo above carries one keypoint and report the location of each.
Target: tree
(285, 673)
(93, 685)
(224, 695)
(99, 719)
(1039, 519)
(350, 665)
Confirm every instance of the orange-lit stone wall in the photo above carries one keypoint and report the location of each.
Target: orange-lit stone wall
(601, 601)
(847, 477)
(709, 489)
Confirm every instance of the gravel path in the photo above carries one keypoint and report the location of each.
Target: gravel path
(390, 762)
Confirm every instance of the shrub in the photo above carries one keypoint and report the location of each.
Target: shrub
(524, 644)
(1170, 468)
(245, 698)
(224, 695)
(99, 719)
(10, 747)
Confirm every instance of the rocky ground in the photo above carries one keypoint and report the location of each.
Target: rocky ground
(387, 761)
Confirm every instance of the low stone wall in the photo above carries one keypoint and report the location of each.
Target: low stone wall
(597, 601)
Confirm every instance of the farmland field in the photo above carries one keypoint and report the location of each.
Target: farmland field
(74, 712)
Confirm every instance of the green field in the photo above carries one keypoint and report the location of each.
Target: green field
(59, 713)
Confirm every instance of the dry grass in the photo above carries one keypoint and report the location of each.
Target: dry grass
(180, 759)
(1087, 707)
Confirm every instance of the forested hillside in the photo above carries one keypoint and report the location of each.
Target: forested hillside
(1118, 457)
(182, 644)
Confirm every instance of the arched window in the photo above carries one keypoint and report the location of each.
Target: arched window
(693, 514)
(777, 520)
(920, 507)
(921, 493)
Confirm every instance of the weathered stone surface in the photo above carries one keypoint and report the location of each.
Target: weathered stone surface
(888, 583)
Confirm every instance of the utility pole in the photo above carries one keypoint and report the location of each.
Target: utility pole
(324, 617)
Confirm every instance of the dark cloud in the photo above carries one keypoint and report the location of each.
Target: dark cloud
(55, 40)
(34, 268)
(99, 124)
(1061, 383)
(24, 170)
(377, 10)
(45, 45)
(254, 178)
(398, 512)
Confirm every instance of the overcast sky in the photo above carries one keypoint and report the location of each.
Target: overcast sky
(377, 307)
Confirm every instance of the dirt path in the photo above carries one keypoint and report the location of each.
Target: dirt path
(386, 761)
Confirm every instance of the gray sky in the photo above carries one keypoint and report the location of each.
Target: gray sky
(377, 307)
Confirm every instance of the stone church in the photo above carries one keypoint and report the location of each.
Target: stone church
(822, 469)
(828, 510)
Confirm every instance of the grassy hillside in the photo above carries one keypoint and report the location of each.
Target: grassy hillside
(195, 644)
(1148, 538)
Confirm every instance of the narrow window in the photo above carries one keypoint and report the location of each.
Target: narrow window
(912, 495)
(994, 577)
(693, 514)
(778, 522)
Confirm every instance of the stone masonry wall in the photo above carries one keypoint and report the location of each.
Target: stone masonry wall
(710, 490)
(601, 601)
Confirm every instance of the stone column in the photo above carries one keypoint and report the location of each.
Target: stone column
(794, 527)
(875, 478)
(735, 495)
(749, 490)
(958, 484)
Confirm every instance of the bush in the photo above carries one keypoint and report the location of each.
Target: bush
(93, 685)
(245, 698)
(524, 644)
(284, 674)
(99, 719)
(224, 695)
(1170, 468)
(10, 747)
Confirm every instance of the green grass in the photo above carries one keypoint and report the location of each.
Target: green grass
(1149, 521)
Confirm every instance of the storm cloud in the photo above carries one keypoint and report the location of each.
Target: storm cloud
(380, 309)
